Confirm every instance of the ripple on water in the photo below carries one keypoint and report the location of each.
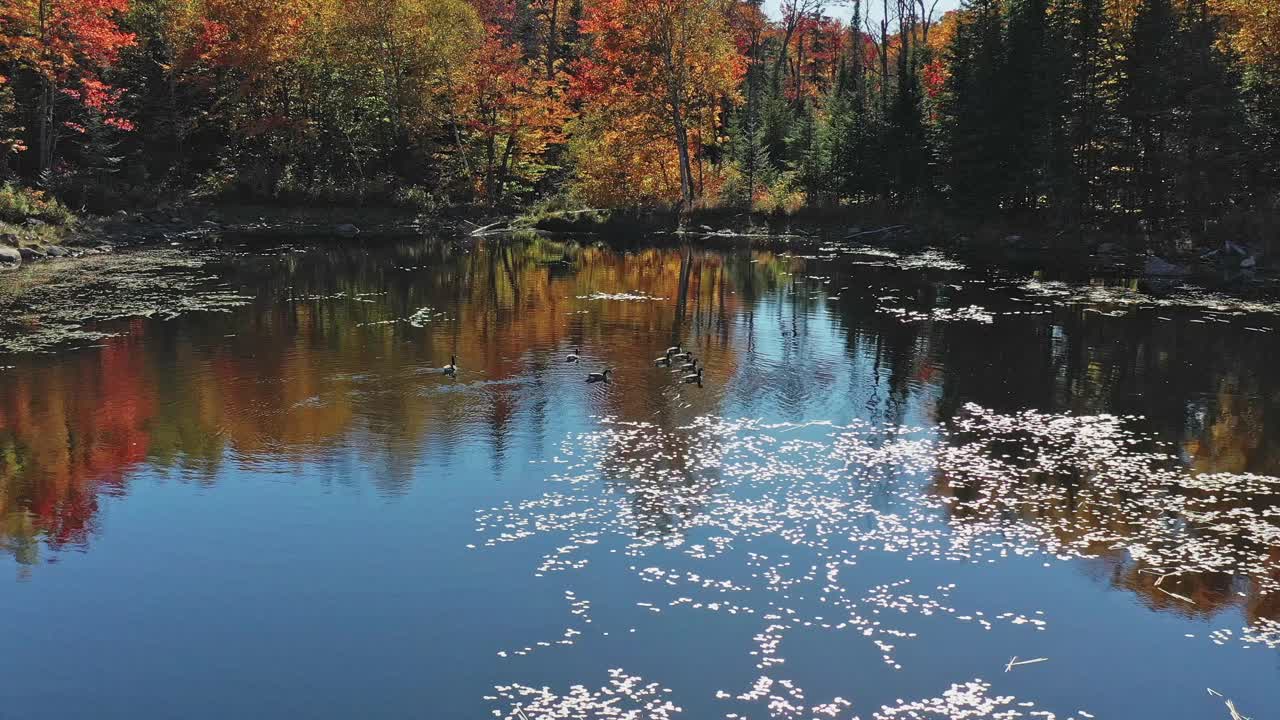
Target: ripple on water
(716, 490)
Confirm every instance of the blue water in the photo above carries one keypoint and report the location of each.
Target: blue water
(283, 510)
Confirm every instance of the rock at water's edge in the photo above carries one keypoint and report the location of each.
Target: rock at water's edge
(346, 230)
(1159, 267)
(10, 257)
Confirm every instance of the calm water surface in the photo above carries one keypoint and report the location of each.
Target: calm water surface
(242, 488)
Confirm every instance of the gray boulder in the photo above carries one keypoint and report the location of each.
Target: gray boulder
(346, 230)
(1159, 267)
(57, 251)
(29, 254)
(9, 257)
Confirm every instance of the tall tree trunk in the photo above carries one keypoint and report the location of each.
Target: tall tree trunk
(551, 39)
(682, 147)
(46, 92)
(504, 169)
(675, 74)
(884, 59)
(46, 124)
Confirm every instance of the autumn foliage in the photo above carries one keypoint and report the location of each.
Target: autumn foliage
(671, 103)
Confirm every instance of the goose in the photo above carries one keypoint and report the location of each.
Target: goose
(599, 377)
(686, 355)
(452, 367)
(691, 366)
(573, 356)
(664, 360)
(673, 349)
(694, 377)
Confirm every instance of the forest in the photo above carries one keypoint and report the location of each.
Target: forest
(1139, 116)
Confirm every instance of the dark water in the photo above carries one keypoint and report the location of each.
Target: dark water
(251, 492)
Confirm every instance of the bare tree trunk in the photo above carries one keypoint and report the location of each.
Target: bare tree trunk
(46, 93)
(551, 39)
(884, 59)
(504, 169)
(682, 147)
(675, 75)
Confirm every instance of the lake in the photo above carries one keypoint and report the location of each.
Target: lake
(236, 483)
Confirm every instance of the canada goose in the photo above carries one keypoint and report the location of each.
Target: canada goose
(694, 377)
(452, 367)
(686, 355)
(691, 366)
(664, 360)
(573, 356)
(599, 377)
(673, 349)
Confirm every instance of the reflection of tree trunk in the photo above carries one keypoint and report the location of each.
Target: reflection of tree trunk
(511, 273)
(682, 296)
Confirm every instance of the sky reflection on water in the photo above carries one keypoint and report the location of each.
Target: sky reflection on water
(899, 475)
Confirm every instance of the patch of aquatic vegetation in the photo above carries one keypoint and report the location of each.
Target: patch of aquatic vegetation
(929, 259)
(622, 296)
(865, 250)
(971, 313)
(50, 304)
(769, 522)
(1183, 296)
(422, 316)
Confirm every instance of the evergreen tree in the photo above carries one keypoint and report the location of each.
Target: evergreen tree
(971, 119)
(750, 155)
(1147, 109)
(776, 129)
(905, 139)
(1085, 103)
(1030, 82)
(1212, 124)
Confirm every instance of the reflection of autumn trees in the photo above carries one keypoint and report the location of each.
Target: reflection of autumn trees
(1208, 395)
(68, 431)
(1074, 510)
(326, 362)
(326, 358)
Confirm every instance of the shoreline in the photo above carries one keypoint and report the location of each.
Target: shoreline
(995, 245)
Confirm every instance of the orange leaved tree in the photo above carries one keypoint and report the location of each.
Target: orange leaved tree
(66, 45)
(656, 64)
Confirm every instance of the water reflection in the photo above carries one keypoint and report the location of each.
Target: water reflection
(334, 359)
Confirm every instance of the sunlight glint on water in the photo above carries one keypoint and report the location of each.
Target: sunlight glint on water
(905, 489)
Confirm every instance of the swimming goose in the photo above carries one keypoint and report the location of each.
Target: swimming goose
(599, 377)
(694, 377)
(664, 360)
(691, 366)
(573, 356)
(452, 367)
(686, 355)
(673, 349)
